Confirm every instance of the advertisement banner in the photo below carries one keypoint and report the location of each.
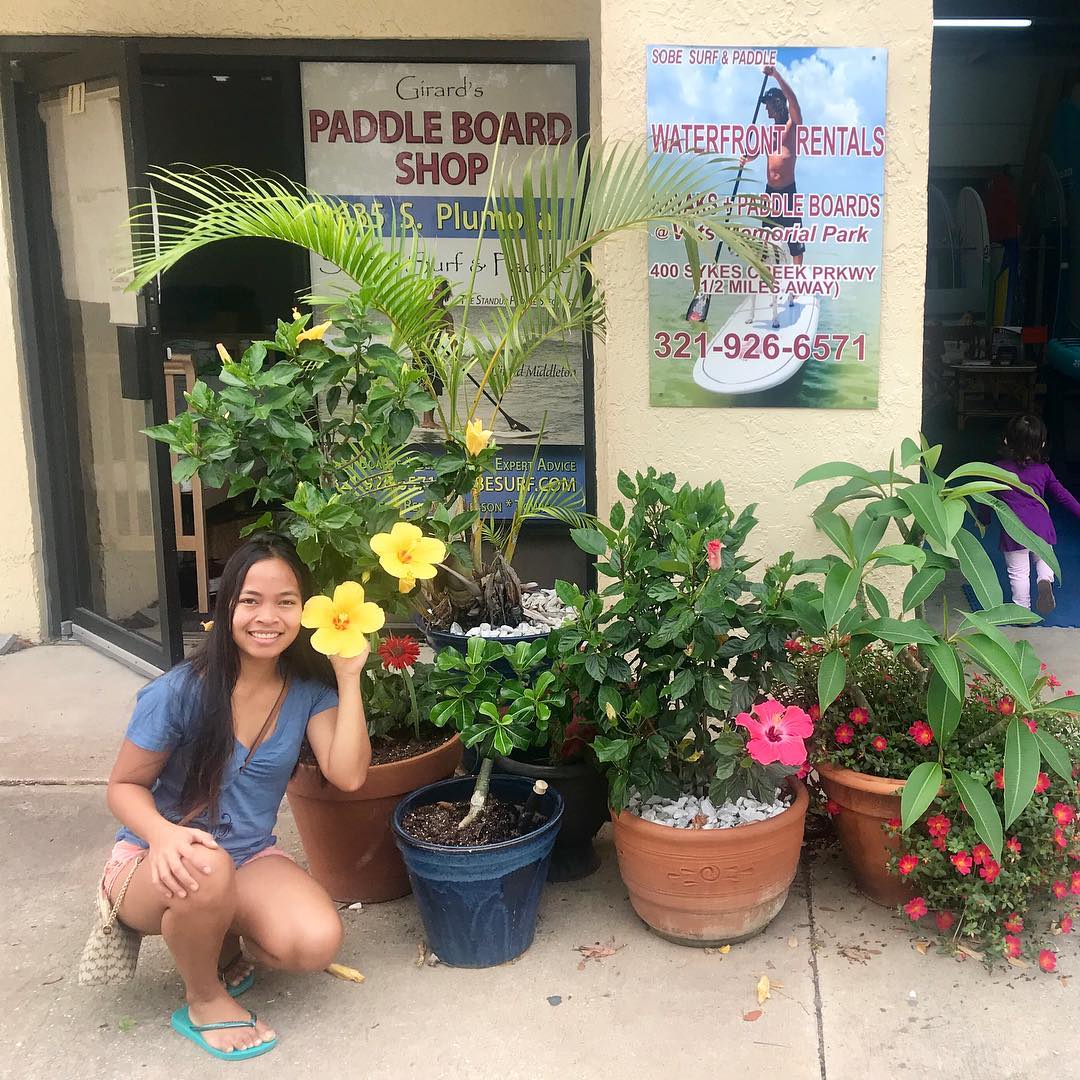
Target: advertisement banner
(415, 143)
(801, 135)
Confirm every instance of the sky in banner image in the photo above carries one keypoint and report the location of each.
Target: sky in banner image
(807, 126)
(416, 143)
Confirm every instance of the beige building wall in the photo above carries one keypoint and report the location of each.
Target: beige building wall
(759, 453)
(21, 593)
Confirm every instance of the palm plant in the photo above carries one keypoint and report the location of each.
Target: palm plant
(548, 214)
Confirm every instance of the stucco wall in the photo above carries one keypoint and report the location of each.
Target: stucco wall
(758, 452)
(21, 599)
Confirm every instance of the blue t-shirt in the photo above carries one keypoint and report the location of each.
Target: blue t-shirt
(164, 719)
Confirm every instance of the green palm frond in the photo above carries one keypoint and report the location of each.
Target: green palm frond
(375, 474)
(193, 209)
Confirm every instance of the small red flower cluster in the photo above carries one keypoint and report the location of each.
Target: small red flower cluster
(843, 734)
(879, 743)
(859, 717)
(921, 732)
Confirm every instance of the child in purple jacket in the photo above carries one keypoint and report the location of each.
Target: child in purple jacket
(1025, 441)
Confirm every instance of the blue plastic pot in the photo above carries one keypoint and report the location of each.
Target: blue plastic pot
(479, 904)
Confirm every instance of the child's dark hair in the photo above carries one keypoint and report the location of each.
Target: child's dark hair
(216, 665)
(1025, 439)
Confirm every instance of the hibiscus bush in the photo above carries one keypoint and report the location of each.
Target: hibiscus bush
(680, 643)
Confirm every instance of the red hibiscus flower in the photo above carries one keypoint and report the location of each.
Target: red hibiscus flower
(1014, 845)
(794, 645)
(814, 712)
(859, 716)
(1063, 813)
(1006, 706)
(399, 652)
(879, 742)
(1042, 784)
(1065, 926)
(990, 871)
(1048, 960)
(1012, 946)
(832, 808)
(980, 854)
(915, 909)
(1060, 890)
(962, 861)
(938, 825)
(921, 732)
(944, 920)
(1060, 838)
(999, 779)
(1014, 923)
(843, 734)
(1031, 725)
(907, 863)
(776, 733)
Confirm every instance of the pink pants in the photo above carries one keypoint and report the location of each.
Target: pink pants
(124, 851)
(1018, 564)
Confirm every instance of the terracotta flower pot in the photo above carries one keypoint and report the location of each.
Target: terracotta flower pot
(346, 834)
(706, 887)
(866, 803)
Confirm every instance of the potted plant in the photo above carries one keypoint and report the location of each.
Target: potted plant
(671, 658)
(878, 665)
(435, 334)
(477, 848)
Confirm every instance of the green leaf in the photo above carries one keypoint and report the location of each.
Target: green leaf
(948, 666)
(877, 600)
(590, 541)
(832, 469)
(1009, 615)
(866, 534)
(921, 586)
(1070, 704)
(906, 554)
(608, 695)
(924, 504)
(1020, 532)
(1055, 755)
(837, 530)
(611, 749)
(680, 686)
(811, 621)
(906, 632)
(976, 487)
(942, 709)
(982, 470)
(1000, 662)
(1021, 768)
(919, 792)
(596, 666)
(910, 452)
(978, 569)
(1030, 664)
(841, 584)
(831, 677)
(185, 469)
(980, 806)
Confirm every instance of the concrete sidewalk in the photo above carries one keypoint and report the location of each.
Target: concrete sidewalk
(844, 969)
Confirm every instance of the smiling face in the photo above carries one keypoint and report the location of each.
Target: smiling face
(267, 615)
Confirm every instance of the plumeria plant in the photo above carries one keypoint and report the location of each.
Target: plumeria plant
(501, 698)
(1010, 904)
(322, 436)
(918, 525)
(679, 644)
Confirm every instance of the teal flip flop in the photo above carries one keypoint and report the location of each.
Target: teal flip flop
(181, 1023)
(242, 987)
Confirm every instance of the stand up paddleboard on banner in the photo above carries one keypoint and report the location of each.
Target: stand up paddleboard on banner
(974, 251)
(753, 352)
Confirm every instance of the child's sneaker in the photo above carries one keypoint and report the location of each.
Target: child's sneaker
(1046, 602)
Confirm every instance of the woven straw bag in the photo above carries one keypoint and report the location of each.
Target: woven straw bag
(112, 950)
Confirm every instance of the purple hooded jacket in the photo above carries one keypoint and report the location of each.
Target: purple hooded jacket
(1041, 479)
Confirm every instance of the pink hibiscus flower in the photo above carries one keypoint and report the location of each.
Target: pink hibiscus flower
(776, 733)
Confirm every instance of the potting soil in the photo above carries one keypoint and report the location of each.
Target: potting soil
(437, 823)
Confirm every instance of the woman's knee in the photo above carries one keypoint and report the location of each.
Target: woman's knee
(215, 874)
(310, 945)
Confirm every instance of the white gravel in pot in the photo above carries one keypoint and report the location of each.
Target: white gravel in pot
(692, 812)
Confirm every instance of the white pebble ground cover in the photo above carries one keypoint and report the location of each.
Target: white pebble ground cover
(692, 812)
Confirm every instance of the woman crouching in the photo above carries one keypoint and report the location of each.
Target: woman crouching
(197, 785)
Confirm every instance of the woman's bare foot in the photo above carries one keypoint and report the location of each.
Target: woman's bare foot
(223, 1008)
(234, 966)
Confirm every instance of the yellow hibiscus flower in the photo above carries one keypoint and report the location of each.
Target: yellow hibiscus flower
(477, 437)
(405, 552)
(341, 623)
(314, 334)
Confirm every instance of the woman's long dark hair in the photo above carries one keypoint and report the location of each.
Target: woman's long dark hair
(216, 666)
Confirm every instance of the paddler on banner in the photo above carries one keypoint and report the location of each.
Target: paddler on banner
(783, 108)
